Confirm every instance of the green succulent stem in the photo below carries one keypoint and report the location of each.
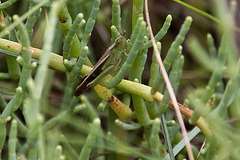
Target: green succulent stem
(86, 150)
(137, 11)
(12, 141)
(7, 4)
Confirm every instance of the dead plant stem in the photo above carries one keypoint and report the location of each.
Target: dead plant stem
(169, 86)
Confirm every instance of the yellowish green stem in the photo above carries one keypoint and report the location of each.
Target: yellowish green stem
(131, 87)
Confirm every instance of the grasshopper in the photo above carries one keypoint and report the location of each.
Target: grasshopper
(109, 62)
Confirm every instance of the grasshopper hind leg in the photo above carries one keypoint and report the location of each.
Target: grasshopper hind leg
(84, 86)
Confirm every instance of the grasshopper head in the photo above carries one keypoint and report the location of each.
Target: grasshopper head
(121, 42)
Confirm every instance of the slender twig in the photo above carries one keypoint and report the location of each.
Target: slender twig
(46, 16)
(98, 155)
(168, 84)
(201, 148)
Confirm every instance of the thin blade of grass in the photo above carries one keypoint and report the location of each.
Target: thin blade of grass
(166, 137)
(182, 144)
